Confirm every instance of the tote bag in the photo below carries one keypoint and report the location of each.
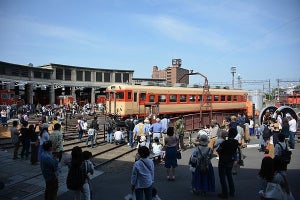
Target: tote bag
(274, 191)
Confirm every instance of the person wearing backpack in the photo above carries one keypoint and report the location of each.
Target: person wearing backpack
(203, 177)
(109, 128)
(280, 147)
(138, 132)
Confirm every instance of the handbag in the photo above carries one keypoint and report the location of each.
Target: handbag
(274, 191)
(178, 154)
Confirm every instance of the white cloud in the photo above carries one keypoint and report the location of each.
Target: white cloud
(25, 27)
(184, 32)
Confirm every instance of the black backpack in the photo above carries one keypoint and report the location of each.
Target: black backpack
(266, 132)
(76, 177)
(285, 154)
(203, 160)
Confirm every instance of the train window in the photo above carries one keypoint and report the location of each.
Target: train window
(151, 98)
(192, 98)
(222, 97)
(173, 98)
(216, 98)
(135, 97)
(209, 98)
(162, 98)
(183, 98)
(142, 96)
(129, 95)
(235, 98)
(229, 98)
(120, 95)
(200, 98)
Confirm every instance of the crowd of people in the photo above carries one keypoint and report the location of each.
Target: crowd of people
(160, 140)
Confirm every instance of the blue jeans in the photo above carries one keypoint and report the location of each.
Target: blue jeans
(225, 170)
(139, 193)
(25, 148)
(109, 137)
(130, 138)
(292, 140)
(80, 133)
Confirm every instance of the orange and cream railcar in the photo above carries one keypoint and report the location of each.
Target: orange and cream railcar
(125, 100)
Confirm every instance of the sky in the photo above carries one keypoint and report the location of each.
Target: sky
(260, 38)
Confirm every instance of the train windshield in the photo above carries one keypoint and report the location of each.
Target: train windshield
(120, 95)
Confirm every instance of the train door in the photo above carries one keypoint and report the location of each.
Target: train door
(151, 110)
(111, 102)
(141, 103)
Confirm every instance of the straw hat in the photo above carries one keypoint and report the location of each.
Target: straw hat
(146, 120)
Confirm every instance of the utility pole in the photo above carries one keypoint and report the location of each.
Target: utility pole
(269, 90)
(239, 81)
(278, 80)
(233, 71)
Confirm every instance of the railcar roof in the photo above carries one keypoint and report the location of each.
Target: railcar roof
(171, 89)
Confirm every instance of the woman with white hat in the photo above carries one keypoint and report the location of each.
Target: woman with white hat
(203, 177)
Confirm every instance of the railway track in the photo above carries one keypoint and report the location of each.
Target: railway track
(103, 154)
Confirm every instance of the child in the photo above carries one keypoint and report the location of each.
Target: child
(91, 133)
(157, 149)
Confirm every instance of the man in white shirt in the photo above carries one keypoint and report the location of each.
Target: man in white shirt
(119, 136)
(293, 130)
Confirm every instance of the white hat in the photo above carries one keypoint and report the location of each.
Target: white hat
(45, 125)
(203, 140)
(143, 138)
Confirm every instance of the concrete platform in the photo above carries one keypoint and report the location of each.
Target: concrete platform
(113, 180)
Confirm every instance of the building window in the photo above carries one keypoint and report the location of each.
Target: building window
(118, 78)
(162, 98)
(125, 78)
(87, 76)
(24, 73)
(183, 98)
(173, 98)
(68, 75)
(98, 76)
(59, 74)
(37, 74)
(106, 77)
(14, 71)
(47, 75)
(79, 75)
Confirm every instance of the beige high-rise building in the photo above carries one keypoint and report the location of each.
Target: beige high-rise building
(173, 74)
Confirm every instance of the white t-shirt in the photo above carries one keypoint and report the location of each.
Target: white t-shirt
(156, 148)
